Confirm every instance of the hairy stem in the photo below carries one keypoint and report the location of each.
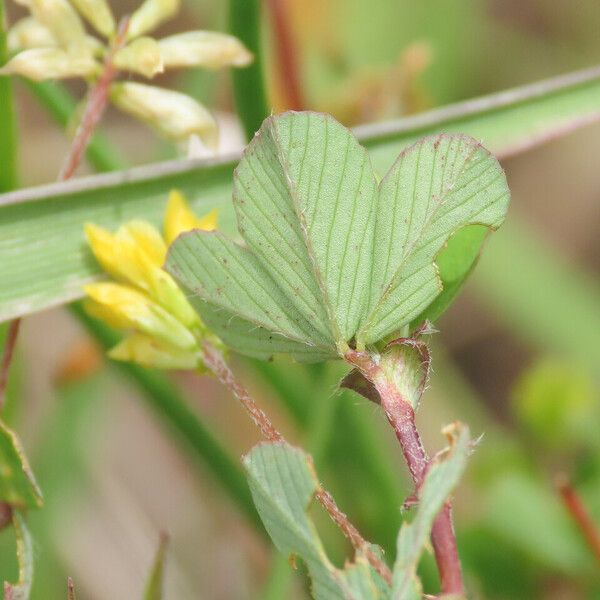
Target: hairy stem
(401, 416)
(287, 57)
(216, 363)
(580, 515)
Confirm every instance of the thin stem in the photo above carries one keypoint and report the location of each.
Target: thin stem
(7, 356)
(216, 363)
(286, 59)
(401, 417)
(5, 515)
(580, 515)
(96, 105)
(70, 589)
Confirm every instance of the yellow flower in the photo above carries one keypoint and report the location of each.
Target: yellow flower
(144, 298)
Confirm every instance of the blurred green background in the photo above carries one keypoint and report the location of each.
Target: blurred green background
(517, 356)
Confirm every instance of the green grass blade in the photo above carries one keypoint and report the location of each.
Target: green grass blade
(248, 83)
(43, 250)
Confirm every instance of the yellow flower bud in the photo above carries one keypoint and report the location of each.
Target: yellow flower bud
(173, 114)
(62, 20)
(151, 14)
(207, 49)
(29, 33)
(148, 352)
(180, 218)
(140, 56)
(125, 308)
(98, 14)
(50, 63)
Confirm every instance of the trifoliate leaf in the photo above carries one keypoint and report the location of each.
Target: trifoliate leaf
(331, 258)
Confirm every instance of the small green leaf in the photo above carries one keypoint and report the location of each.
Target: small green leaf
(442, 477)
(283, 483)
(154, 585)
(21, 589)
(17, 483)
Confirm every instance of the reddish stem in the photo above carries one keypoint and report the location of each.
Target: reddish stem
(287, 64)
(70, 589)
(401, 417)
(579, 513)
(96, 105)
(9, 349)
(214, 360)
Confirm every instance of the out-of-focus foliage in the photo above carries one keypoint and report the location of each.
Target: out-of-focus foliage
(533, 293)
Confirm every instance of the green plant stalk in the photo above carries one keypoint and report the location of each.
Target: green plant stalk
(164, 399)
(248, 84)
(8, 133)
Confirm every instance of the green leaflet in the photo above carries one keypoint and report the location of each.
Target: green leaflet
(330, 255)
(436, 187)
(283, 482)
(441, 479)
(17, 484)
(21, 589)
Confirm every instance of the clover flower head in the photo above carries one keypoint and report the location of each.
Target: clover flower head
(144, 299)
(52, 43)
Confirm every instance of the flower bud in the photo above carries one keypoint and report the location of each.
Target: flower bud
(98, 14)
(149, 352)
(29, 33)
(50, 63)
(173, 114)
(149, 15)
(207, 49)
(140, 56)
(62, 20)
(124, 307)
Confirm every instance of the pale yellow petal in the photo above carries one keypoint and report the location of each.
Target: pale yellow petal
(149, 352)
(173, 114)
(179, 218)
(208, 49)
(150, 15)
(141, 56)
(39, 64)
